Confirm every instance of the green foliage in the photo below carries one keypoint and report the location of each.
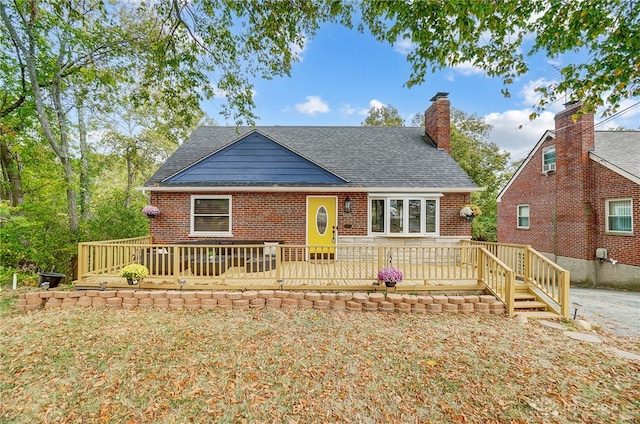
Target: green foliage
(112, 220)
(484, 162)
(496, 37)
(384, 116)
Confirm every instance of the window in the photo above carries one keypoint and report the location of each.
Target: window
(549, 159)
(400, 215)
(523, 216)
(619, 216)
(211, 215)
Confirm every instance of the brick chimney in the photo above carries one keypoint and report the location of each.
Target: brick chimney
(575, 215)
(437, 121)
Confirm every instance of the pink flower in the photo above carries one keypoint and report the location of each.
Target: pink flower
(150, 210)
(390, 274)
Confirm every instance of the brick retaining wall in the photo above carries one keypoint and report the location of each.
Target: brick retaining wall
(250, 299)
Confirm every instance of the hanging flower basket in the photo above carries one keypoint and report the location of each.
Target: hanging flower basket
(151, 211)
(469, 212)
(390, 276)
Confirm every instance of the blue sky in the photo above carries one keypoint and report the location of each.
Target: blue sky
(342, 73)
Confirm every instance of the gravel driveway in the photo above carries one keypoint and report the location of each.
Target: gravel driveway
(614, 311)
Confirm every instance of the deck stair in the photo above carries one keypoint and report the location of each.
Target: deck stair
(531, 305)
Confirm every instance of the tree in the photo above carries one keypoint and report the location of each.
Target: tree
(494, 37)
(383, 116)
(484, 162)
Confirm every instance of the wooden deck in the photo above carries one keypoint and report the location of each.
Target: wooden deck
(464, 268)
(309, 275)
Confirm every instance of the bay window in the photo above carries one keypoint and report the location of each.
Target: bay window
(403, 215)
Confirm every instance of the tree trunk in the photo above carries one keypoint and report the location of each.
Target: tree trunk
(11, 167)
(85, 184)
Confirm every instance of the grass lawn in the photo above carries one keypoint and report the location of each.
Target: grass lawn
(275, 366)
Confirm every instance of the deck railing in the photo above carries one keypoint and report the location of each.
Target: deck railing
(496, 266)
(498, 277)
(307, 264)
(547, 278)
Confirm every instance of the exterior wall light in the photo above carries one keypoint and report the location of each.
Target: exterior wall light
(347, 205)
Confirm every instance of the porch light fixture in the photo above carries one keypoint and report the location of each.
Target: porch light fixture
(347, 205)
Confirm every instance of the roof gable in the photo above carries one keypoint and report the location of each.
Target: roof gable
(255, 158)
(546, 136)
(618, 151)
(381, 158)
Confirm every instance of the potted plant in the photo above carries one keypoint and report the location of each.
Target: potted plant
(390, 276)
(151, 211)
(470, 211)
(134, 273)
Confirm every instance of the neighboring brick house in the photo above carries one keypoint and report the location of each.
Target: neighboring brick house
(576, 198)
(314, 185)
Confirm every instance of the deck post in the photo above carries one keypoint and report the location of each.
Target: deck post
(83, 262)
(511, 292)
(527, 264)
(177, 255)
(565, 282)
(482, 264)
(279, 249)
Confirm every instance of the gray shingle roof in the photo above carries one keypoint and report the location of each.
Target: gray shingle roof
(620, 148)
(397, 157)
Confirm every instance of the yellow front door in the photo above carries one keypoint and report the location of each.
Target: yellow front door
(322, 226)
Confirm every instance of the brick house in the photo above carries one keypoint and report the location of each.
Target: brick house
(314, 185)
(576, 199)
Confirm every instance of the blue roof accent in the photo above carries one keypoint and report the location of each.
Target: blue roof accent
(255, 158)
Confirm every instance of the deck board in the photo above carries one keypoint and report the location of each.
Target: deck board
(302, 274)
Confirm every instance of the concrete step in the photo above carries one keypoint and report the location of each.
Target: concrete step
(539, 314)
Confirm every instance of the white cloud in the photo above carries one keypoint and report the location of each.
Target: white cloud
(532, 97)
(373, 103)
(347, 109)
(376, 104)
(467, 68)
(297, 50)
(515, 133)
(554, 62)
(627, 116)
(404, 46)
(313, 105)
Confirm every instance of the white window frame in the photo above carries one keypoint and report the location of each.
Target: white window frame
(518, 216)
(606, 213)
(194, 233)
(405, 214)
(549, 167)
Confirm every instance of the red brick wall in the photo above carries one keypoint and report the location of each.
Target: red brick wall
(451, 224)
(561, 219)
(282, 216)
(575, 224)
(577, 191)
(437, 120)
(537, 190)
(608, 185)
